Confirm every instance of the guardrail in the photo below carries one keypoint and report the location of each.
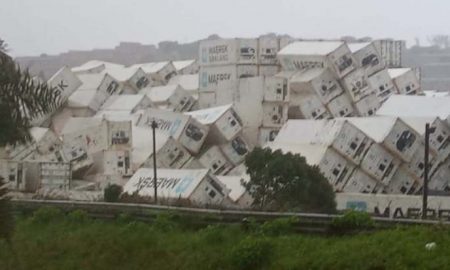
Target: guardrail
(308, 222)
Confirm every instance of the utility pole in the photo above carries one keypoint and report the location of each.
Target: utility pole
(428, 131)
(155, 182)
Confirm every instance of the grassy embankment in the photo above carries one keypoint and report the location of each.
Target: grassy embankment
(51, 240)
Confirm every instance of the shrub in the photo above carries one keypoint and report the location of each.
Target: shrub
(279, 226)
(112, 193)
(45, 215)
(78, 216)
(124, 218)
(251, 253)
(352, 221)
(165, 222)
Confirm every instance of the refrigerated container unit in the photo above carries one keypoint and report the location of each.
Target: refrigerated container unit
(367, 57)
(405, 80)
(115, 162)
(236, 150)
(55, 175)
(334, 55)
(268, 48)
(158, 73)
(391, 51)
(367, 106)
(309, 107)
(128, 103)
(267, 135)
(65, 82)
(215, 160)
(183, 128)
(319, 81)
(189, 82)
(359, 182)
(239, 197)
(268, 70)
(206, 100)
(186, 67)
(275, 114)
(276, 89)
(223, 78)
(439, 180)
(247, 101)
(416, 166)
(13, 174)
(171, 154)
(228, 51)
(170, 97)
(380, 164)
(392, 133)
(86, 133)
(381, 82)
(341, 106)
(402, 183)
(356, 85)
(131, 79)
(223, 121)
(197, 186)
(340, 134)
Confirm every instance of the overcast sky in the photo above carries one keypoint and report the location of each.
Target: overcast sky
(32, 27)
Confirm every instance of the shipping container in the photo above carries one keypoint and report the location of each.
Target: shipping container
(183, 128)
(236, 150)
(334, 55)
(341, 106)
(367, 57)
(189, 82)
(170, 97)
(380, 164)
(391, 51)
(402, 183)
(405, 80)
(55, 175)
(394, 135)
(158, 73)
(128, 103)
(440, 179)
(276, 89)
(170, 155)
(223, 121)
(197, 186)
(356, 85)
(367, 106)
(115, 162)
(132, 79)
(219, 78)
(315, 81)
(267, 135)
(206, 100)
(275, 114)
(238, 195)
(214, 160)
(228, 51)
(381, 82)
(359, 182)
(65, 82)
(186, 66)
(310, 107)
(268, 48)
(268, 70)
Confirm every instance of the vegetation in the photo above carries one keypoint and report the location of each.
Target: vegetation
(351, 221)
(6, 220)
(286, 182)
(51, 239)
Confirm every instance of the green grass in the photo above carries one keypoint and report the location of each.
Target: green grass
(50, 240)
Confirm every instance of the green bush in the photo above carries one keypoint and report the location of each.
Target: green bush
(78, 216)
(112, 193)
(352, 221)
(46, 215)
(165, 222)
(213, 234)
(124, 218)
(251, 253)
(279, 226)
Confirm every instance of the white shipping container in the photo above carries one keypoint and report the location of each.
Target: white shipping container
(228, 51)
(268, 49)
(356, 85)
(379, 164)
(402, 183)
(318, 54)
(197, 186)
(360, 182)
(315, 81)
(368, 105)
(275, 114)
(268, 70)
(276, 89)
(116, 163)
(236, 150)
(341, 106)
(267, 135)
(65, 82)
(416, 166)
(171, 155)
(55, 175)
(367, 57)
(214, 160)
(336, 169)
(311, 107)
(381, 82)
(223, 121)
(218, 78)
(405, 80)
(206, 100)
(391, 51)
(440, 179)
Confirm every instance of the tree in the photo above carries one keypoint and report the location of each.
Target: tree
(286, 182)
(3, 45)
(21, 100)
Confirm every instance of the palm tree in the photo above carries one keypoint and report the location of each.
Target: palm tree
(21, 99)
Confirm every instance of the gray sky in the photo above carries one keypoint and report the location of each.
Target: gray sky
(31, 27)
